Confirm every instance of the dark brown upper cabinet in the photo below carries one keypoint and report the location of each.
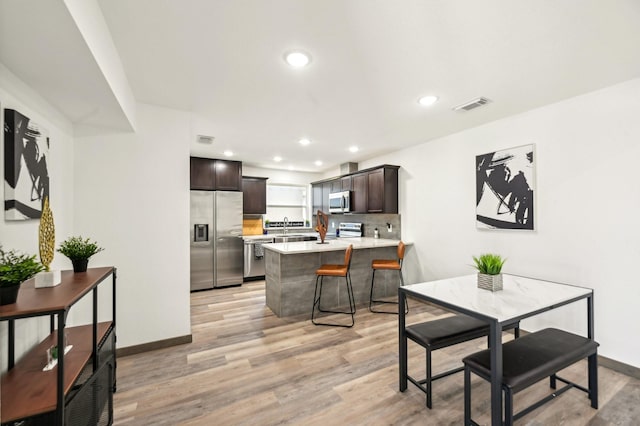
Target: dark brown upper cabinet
(359, 193)
(382, 190)
(373, 190)
(216, 175)
(228, 175)
(202, 173)
(254, 195)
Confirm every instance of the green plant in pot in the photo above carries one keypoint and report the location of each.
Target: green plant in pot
(489, 268)
(15, 268)
(79, 250)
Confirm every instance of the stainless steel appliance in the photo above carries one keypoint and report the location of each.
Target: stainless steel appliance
(216, 239)
(339, 202)
(350, 229)
(254, 256)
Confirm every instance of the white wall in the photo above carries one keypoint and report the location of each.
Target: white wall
(132, 195)
(23, 235)
(282, 176)
(587, 202)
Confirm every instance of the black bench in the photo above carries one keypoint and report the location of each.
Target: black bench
(441, 333)
(530, 359)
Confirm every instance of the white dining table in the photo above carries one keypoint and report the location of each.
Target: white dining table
(520, 298)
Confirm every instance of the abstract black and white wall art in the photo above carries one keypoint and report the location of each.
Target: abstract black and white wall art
(505, 189)
(26, 177)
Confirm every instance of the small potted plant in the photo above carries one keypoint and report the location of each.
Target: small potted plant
(79, 250)
(15, 268)
(489, 268)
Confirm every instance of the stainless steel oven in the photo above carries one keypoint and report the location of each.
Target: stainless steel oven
(340, 202)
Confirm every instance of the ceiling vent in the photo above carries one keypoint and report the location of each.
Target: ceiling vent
(475, 103)
(205, 139)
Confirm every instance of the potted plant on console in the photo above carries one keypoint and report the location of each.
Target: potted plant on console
(489, 268)
(79, 250)
(15, 268)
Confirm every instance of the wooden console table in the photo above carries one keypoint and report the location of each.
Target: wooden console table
(83, 382)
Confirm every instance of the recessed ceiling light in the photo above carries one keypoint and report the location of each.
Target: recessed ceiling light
(277, 158)
(304, 142)
(228, 153)
(318, 163)
(297, 59)
(428, 100)
(353, 149)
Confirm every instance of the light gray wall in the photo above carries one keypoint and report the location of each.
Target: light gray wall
(132, 194)
(23, 235)
(586, 204)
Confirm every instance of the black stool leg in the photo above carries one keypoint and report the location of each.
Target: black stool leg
(372, 300)
(317, 301)
(352, 299)
(373, 278)
(316, 298)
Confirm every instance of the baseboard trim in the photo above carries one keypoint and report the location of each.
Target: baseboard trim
(152, 346)
(620, 367)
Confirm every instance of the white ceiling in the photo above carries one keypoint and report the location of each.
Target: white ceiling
(372, 60)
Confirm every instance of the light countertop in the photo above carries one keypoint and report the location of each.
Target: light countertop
(331, 245)
(520, 297)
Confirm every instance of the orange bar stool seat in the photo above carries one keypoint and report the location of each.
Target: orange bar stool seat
(387, 265)
(334, 270)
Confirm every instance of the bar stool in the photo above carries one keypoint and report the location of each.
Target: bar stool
(389, 265)
(333, 270)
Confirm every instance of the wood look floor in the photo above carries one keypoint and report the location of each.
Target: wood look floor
(248, 367)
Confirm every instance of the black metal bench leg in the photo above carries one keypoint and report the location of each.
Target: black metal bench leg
(467, 396)
(429, 382)
(593, 379)
(516, 331)
(508, 408)
(552, 381)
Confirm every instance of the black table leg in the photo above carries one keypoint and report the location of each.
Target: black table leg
(402, 339)
(495, 341)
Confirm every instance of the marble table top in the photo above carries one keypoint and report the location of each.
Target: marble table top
(520, 297)
(331, 245)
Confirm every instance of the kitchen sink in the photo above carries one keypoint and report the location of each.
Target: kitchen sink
(292, 238)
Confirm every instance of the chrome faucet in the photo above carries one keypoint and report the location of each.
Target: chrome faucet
(286, 224)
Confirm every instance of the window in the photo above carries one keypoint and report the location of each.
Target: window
(289, 201)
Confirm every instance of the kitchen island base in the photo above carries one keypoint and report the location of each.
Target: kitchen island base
(290, 277)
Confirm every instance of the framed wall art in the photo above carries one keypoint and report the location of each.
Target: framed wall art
(505, 188)
(26, 176)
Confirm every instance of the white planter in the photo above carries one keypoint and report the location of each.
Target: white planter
(490, 282)
(48, 279)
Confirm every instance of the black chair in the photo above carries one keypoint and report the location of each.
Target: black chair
(441, 333)
(388, 265)
(333, 270)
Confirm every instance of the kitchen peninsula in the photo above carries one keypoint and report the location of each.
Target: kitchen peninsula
(290, 273)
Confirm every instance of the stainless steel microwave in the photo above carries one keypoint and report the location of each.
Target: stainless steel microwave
(340, 202)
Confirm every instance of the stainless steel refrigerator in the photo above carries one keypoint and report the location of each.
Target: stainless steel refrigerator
(217, 256)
